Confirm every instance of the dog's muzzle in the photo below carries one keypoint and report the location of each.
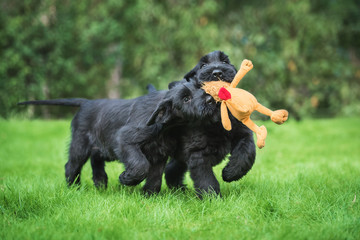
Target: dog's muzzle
(217, 74)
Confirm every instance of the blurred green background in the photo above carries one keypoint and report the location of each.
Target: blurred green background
(306, 54)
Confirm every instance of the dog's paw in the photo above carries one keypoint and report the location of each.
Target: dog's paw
(128, 180)
(100, 181)
(230, 176)
(207, 193)
(148, 191)
(178, 187)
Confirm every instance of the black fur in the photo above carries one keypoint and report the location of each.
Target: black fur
(212, 67)
(138, 132)
(204, 144)
(150, 88)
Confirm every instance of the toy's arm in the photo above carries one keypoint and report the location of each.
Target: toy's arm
(246, 66)
(225, 120)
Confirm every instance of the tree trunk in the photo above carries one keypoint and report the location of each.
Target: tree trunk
(113, 84)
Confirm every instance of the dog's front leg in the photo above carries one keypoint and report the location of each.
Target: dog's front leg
(242, 157)
(174, 174)
(136, 165)
(154, 177)
(202, 174)
(129, 152)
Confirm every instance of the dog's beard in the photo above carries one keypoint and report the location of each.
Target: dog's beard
(211, 112)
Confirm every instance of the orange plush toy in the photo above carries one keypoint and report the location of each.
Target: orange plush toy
(242, 103)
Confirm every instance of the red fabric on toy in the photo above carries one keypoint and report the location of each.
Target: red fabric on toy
(224, 94)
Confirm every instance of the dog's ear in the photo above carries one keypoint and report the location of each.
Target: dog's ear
(192, 73)
(173, 84)
(196, 82)
(150, 88)
(162, 113)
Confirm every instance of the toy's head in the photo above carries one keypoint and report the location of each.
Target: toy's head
(222, 92)
(213, 89)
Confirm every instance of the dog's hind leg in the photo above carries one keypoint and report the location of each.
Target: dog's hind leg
(98, 169)
(154, 178)
(174, 174)
(79, 153)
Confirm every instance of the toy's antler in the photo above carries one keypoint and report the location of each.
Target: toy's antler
(246, 66)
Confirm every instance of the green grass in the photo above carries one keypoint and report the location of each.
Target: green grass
(302, 186)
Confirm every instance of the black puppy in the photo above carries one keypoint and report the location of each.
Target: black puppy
(212, 67)
(136, 132)
(204, 144)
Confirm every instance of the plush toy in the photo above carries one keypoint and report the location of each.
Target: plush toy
(241, 104)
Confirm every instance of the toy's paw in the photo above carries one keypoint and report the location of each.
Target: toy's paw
(246, 65)
(261, 136)
(279, 116)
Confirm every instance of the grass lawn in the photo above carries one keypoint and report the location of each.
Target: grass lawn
(305, 184)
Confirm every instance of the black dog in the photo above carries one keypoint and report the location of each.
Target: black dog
(212, 67)
(137, 132)
(204, 144)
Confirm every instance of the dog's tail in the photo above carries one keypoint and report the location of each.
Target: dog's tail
(70, 102)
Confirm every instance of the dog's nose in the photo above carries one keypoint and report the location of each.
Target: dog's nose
(209, 99)
(217, 73)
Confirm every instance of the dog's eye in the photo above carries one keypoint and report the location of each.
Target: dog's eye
(203, 65)
(187, 99)
(225, 62)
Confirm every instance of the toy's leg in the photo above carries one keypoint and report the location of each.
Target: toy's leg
(261, 132)
(278, 116)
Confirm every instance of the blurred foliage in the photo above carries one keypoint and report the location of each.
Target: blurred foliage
(306, 54)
